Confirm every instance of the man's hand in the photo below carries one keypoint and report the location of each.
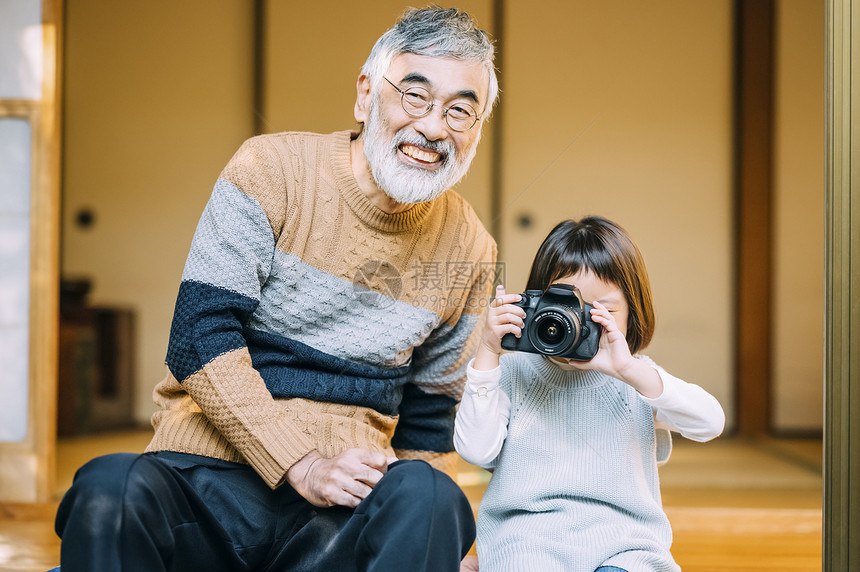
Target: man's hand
(469, 564)
(342, 480)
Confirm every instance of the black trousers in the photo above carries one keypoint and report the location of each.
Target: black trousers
(177, 512)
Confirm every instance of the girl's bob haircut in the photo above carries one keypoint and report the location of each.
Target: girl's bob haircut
(601, 246)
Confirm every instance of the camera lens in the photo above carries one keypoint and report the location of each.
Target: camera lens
(550, 332)
(554, 331)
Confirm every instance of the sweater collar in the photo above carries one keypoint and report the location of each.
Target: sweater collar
(563, 378)
(358, 202)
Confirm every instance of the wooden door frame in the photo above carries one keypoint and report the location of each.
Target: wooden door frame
(841, 534)
(29, 465)
(753, 199)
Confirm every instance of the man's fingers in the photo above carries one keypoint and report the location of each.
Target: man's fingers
(343, 490)
(341, 497)
(346, 479)
(365, 457)
(369, 476)
(359, 490)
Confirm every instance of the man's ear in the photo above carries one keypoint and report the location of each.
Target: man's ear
(362, 98)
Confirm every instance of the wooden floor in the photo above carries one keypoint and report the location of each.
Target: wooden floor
(733, 504)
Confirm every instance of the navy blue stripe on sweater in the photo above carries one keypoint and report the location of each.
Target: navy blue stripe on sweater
(207, 322)
(426, 422)
(293, 369)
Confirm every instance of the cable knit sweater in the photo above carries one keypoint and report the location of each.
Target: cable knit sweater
(309, 319)
(575, 482)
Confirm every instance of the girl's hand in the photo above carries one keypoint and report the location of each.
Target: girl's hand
(613, 354)
(502, 318)
(613, 357)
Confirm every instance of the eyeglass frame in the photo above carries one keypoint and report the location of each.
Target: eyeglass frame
(430, 107)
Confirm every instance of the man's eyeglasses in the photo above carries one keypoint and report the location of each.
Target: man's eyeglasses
(418, 102)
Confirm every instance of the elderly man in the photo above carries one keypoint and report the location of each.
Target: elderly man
(322, 328)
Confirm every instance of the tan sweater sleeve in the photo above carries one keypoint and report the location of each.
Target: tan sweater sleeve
(229, 261)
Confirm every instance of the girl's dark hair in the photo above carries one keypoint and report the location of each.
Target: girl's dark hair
(601, 246)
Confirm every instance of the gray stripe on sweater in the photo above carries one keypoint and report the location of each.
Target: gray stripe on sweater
(306, 304)
(443, 360)
(233, 244)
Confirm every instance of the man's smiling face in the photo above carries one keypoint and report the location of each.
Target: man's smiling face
(415, 159)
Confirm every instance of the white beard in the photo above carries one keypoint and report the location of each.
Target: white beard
(405, 183)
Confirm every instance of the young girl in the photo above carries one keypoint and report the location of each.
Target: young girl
(572, 444)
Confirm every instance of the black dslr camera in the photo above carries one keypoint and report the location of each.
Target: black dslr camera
(558, 323)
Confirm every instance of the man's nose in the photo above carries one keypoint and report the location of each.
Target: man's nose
(433, 125)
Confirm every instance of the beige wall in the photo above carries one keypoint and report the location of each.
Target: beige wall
(158, 97)
(799, 216)
(624, 109)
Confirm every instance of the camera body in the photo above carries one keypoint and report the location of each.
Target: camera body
(557, 323)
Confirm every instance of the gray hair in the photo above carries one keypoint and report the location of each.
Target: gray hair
(435, 32)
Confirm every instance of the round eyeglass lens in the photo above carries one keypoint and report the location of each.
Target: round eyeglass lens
(461, 116)
(417, 102)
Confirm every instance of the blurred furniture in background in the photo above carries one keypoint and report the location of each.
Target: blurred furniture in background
(96, 364)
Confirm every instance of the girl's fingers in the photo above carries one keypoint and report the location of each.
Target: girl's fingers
(507, 324)
(599, 317)
(511, 329)
(499, 301)
(505, 311)
(509, 318)
(600, 310)
(605, 319)
(515, 316)
(500, 296)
